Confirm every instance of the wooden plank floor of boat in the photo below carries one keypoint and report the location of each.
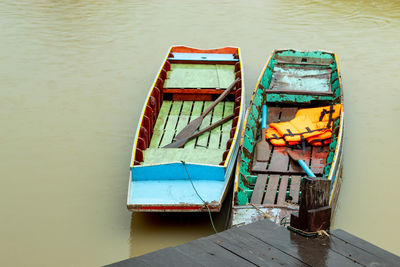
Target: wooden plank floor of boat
(280, 180)
(208, 148)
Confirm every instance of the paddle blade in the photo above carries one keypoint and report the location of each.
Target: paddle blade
(294, 155)
(262, 151)
(177, 144)
(189, 129)
(262, 147)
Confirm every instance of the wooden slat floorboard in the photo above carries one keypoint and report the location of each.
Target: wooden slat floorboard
(170, 126)
(160, 124)
(282, 189)
(279, 161)
(287, 113)
(294, 167)
(196, 112)
(184, 116)
(259, 189)
(273, 114)
(271, 189)
(215, 134)
(226, 127)
(202, 140)
(318, 159)
(295, 188)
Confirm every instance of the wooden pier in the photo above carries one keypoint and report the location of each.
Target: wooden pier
(266, 244)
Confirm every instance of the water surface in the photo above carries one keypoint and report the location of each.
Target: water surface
(74, 75)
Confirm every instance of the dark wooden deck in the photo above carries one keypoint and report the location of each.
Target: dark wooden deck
(266, 244)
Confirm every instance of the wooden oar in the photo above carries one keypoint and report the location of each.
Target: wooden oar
(182, 142)
(195, 124)
(262, 146)
(301, 162)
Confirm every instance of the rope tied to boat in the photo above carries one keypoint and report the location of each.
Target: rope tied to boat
(319, 233)
(265, 214)
(197, 193)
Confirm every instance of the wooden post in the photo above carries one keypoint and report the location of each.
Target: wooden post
(314, 210)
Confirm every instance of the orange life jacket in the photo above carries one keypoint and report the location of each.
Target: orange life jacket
(311, 124)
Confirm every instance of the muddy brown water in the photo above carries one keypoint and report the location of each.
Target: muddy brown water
(74, 75)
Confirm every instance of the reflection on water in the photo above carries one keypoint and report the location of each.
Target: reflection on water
(74, 74)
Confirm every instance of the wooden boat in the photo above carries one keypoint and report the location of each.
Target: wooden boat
(196, 176)
(291, 80)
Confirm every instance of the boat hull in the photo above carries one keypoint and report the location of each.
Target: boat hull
(286, 201)
(194, 178)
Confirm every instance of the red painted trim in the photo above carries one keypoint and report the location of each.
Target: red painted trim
(195, 91)
(172, 208)
(185, 49)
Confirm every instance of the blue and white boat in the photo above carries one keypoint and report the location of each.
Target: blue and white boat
(194, 177)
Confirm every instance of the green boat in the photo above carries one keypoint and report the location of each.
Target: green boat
(292, 82)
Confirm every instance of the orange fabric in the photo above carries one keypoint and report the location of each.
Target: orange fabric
(311, 124)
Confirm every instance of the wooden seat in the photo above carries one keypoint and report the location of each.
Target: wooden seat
(200, 76)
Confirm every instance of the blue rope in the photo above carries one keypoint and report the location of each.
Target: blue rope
(197, 193)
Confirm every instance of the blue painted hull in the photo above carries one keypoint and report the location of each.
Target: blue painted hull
(189, 187)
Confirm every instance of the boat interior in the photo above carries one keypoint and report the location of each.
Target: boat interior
(188, 83)
(292, 80)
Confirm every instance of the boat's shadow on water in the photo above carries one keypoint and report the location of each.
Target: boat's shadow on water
(167, 229)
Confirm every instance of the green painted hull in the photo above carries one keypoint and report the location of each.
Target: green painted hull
(290, 80)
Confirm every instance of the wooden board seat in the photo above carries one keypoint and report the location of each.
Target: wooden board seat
(301, 80)
(202, 57)
(192, 155)
(200, 76)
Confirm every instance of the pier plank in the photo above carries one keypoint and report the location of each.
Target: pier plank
(216, 255)
(273, 256)
(264, 243)
(158, 258)
(299, 247)
(357, 242)
(240, 251)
